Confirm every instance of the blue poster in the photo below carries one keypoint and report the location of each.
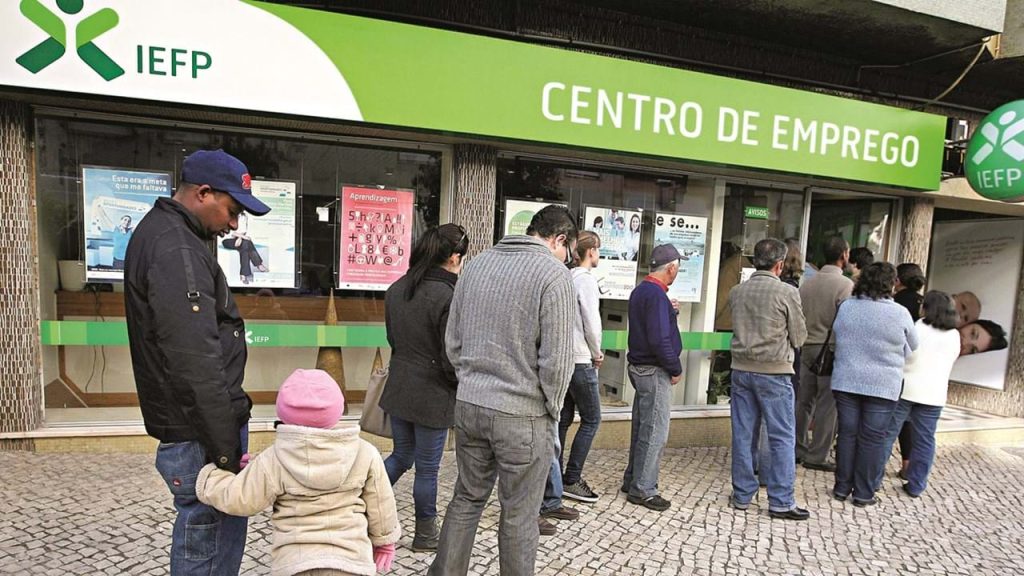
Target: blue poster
(114, 202)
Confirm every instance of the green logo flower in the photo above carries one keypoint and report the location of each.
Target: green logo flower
(53, 48)
(995, 154)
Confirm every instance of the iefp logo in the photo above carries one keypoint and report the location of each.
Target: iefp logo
(53, 48)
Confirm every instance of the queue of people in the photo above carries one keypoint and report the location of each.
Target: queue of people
(458, 362)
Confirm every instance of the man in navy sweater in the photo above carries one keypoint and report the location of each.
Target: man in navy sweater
(654, 367)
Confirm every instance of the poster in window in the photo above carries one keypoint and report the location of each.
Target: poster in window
(114, 202)
(261, 253)
(689, 235)
(619, 230)
(978, 262)
(519, 213)
(376, 237)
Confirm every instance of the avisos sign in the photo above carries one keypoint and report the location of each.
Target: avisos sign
(995, 154)
(263, 57)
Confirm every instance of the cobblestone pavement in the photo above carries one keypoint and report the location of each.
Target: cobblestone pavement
(110, 514)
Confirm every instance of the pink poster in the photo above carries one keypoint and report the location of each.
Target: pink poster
(376, 237)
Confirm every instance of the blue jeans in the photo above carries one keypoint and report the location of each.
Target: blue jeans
(649, 431)
(863, 426)
(204, 540)
(768, 398)
(584, 395)
(423, 447)
(922, 420)
(553, 486)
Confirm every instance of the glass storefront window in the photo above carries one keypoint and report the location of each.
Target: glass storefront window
(89, 382)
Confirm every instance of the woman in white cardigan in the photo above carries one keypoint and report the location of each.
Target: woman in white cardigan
(925, 381)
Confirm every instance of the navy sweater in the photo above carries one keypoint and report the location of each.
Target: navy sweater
(653, 334)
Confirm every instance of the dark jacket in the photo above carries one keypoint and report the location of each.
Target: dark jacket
(911, 300)
(653, 333)
(187, 339)
(421, 381)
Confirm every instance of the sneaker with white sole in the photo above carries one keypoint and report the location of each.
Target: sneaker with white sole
(580, 491)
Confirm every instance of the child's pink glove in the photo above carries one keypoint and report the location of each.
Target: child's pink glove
(245, 461)
(382, 557)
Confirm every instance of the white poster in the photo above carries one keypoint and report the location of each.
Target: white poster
(518, 214)
(689, 235)
(979, 261)
(619, 230)
(261, 252)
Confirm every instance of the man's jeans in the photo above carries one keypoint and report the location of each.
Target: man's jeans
(423, 447)
(651, 419)
(863, 426)
(923, 420)
(204, 540)
(769, 398)
(553, 487)
(814, 402)
(517, 450)
(584, 395)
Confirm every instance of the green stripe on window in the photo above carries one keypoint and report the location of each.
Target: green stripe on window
(79, 333)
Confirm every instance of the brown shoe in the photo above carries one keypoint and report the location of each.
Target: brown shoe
(546, 528)
(562, 513)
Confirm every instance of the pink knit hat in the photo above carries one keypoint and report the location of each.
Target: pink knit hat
(310, 398)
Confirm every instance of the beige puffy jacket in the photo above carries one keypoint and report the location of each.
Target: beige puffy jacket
(331, 496)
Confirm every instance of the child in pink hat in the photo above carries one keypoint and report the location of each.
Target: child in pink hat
(334, 512)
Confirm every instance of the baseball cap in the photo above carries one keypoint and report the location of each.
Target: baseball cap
(224, 173)
(310, 398)
(664, 254)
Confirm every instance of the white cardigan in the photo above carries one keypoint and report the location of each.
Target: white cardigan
(926, 373)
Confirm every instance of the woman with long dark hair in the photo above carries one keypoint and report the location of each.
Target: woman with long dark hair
(874, 337)
(420, 393)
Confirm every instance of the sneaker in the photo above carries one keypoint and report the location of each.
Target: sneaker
(579, 491)
(562, 513)
(656, 503)
(546, 528)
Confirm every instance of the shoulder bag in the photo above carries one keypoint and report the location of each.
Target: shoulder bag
(824, 362)
(374, 419)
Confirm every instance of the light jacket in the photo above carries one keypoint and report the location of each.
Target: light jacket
(767, 324)
(331, 496)
(586, 333)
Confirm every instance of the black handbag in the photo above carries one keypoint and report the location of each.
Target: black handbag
(826, 359)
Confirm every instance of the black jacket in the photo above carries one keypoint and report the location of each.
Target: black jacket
(421, 381)
(186, 336)
(911, 300)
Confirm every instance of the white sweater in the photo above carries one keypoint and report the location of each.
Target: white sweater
(586, 334)
(926, 373)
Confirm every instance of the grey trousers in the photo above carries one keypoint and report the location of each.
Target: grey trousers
(652, 416)
(814, 402)
(517, 451)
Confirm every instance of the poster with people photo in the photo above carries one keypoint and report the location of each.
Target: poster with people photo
(519, 212)
(978, 262)
(689, 235)
(619, 230)
(260, 253)
(114, 201)
(376, 236)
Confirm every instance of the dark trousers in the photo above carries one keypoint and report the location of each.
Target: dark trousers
(863, 427)
(248, 256)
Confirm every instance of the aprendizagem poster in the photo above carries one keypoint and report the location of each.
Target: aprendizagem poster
(376, 237)
(619, 230)
(114, 202)
(689, 235)
(260, 253)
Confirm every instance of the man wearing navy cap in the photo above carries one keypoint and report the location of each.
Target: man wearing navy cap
(654, 367)
(187, 343)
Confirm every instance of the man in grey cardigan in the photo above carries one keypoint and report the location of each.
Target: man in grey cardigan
(509, 338)
(767, 326)
(820, 297)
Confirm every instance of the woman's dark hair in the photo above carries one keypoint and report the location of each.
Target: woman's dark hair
(995, 331)
(861, 257)
(794, 266)
(911, 276)
(939, 310)
(876, 281)
(432, 249)
(586, 241)
(551, 221)
(638, 222)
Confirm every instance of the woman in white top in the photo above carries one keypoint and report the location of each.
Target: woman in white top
(925, 380)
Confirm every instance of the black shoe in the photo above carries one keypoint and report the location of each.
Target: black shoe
(427, 534)
(794, 514)
(865, 503)
(562, 513)
(837, 496)
(656, 503)
(906, 488)
(737, 505)
(799, 460)
(823, 466)
(546, 528)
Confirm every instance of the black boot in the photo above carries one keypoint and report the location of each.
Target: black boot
(426, 536)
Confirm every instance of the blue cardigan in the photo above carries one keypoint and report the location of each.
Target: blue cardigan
(873, 340)
(653, 333)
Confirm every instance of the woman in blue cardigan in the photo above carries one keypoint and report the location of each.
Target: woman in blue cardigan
(874, 337)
